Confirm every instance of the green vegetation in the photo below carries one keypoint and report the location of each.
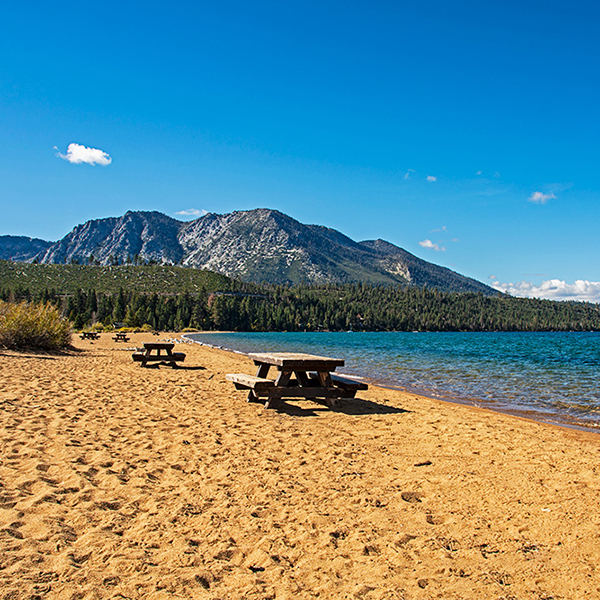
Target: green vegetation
(67, 279)
(24, 325)
(377, 308)
(176, 298)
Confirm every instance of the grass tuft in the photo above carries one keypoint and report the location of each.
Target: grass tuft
(24, 325)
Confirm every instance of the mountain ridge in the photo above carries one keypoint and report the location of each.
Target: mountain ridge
(259, 245)
(20, 248)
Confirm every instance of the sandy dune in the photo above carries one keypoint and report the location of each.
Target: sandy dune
(123, 482)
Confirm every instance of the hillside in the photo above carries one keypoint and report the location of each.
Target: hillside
(68, 279)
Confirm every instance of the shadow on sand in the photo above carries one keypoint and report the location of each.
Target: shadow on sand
(356, 406)
(165, 363)
(347, 406)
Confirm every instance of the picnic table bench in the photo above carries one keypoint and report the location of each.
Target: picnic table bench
(300, 375)
(120, 337)
(89, 335)
(153, 353)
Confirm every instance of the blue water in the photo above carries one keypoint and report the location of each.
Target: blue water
(552, 377)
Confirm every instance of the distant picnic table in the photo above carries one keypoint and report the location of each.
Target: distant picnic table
(120, 336)
(89, 335)
(299, 376)
(153, 352)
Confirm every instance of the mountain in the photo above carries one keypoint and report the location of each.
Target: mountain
(20, 248)
(147, 235)
(260, 245)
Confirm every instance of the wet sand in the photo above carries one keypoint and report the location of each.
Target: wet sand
(123, 482)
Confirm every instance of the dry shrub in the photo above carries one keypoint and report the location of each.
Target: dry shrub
(24, 325)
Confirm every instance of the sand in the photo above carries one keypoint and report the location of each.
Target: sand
(123, 482)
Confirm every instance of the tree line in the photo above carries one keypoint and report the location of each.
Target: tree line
(356, 307)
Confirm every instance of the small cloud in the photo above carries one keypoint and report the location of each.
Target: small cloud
(443, 228)
(479, 173)
(77, 154)
(431, 246)
(408, 173)
(553, 289)
(492, 277)
(540, 197)
(431, 178)
(192, 212)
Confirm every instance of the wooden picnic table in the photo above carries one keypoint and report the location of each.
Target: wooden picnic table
(120, 336)
(153, 353)
(299, 376)
(89, 335)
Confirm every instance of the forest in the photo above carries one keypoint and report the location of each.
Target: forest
(351, 307)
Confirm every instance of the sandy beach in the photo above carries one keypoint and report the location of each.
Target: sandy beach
(123, 482)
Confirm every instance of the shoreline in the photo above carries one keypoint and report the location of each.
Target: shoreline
(473, 402)
(165, 484)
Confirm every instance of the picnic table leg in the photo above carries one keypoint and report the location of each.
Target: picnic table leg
(302, 378)
(262, 371)
(325, 379)
(171, 362)
(281, 381)
(326, 382)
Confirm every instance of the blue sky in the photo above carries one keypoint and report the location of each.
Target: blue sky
(467, 133)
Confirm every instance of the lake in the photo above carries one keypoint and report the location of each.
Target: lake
(550, 377)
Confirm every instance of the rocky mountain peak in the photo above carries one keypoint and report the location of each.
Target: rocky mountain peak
(260, 245)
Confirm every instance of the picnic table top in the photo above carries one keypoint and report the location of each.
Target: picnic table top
(297, 360)
(158, 345)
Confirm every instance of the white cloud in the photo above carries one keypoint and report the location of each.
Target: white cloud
(192, 212)
(553, 289)
(77, 154)
(540, 197)
(410, 172)
(431, 246)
